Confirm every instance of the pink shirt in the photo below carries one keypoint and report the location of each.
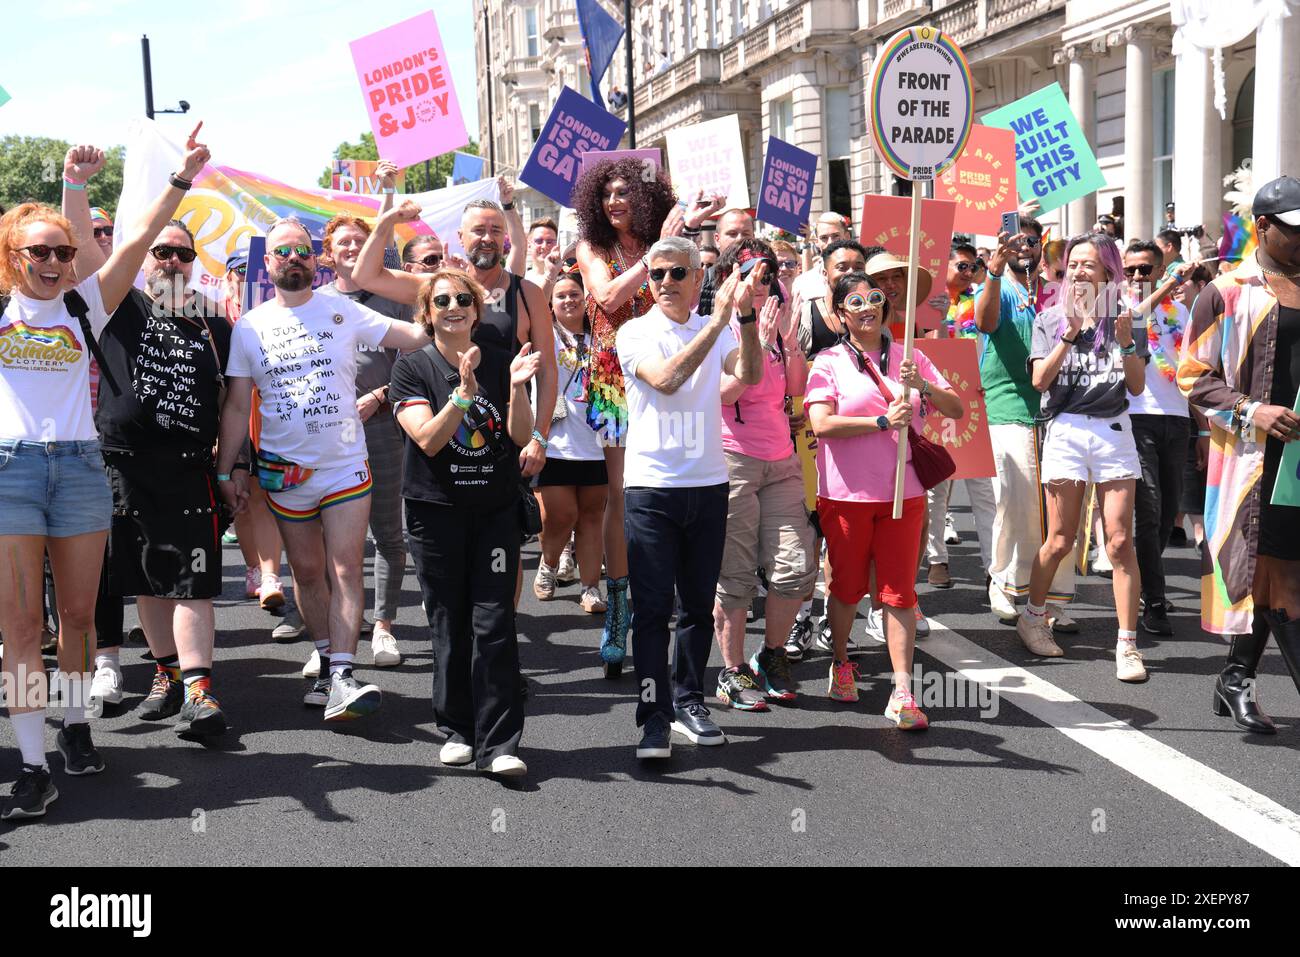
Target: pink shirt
(861, 468)
(761, 429)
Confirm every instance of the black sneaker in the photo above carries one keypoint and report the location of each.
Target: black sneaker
(31, 794)
(204, 714)
(79, 754)
(1155, 619)
(163, 699)
(656, 739)
(694, 724)
(737, 688)
(801, 633)
(318, 695)
(771, 666)
(1178, 537)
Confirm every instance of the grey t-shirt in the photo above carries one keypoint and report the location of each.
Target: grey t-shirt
(374, 366)
(1088, 383)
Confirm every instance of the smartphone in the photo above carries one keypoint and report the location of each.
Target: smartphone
(1010, 223)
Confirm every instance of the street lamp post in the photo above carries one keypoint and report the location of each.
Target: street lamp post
(149, 110)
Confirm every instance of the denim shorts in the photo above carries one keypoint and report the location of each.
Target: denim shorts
(53, 489)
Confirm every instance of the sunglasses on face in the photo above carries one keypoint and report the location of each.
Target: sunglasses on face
(858, 302)
(40, 252)
(976, 266)
(162, 253)
(103, 231)
(430, 260)
(463, 299)
(787, 264)
(1032, 242)
(571, 262)
(240, 270)
(677, 272)
(302, 252)
(1143, 269)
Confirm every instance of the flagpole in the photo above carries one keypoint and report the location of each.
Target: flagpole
(487, 42)
(631, 92)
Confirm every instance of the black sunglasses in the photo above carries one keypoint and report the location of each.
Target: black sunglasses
(102, 231)
(677, 272)
(164, 252)
(40, 252)
(1144, 269)
(430, 260)
(976, 266)
(463, 299)
(788, 263)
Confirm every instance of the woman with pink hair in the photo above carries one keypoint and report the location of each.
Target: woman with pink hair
(1087, 361)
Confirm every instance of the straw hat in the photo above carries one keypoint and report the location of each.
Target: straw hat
(884, 262)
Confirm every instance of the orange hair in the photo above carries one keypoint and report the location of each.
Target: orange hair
(333, 226)
(12, 225)
(424, 299)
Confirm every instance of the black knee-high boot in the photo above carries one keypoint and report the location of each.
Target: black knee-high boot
(1234, 691)
(1287, 632)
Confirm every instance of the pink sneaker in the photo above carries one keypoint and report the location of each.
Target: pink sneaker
(902, 710)
(252, 582)
(843, 684)
(271, 593)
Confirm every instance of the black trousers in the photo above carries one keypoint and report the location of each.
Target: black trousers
(675, 538)
(1162, 450)
(466, 561)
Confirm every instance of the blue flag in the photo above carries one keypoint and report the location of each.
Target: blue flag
(466, 168)
(600, 36)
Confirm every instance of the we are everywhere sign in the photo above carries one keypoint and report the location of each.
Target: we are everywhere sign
(786, 188)
(1054, 163)
(409, 95)
(575, 126)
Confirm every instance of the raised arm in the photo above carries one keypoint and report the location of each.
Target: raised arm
(369, 272)
(517, 262)
(988, 304)
(81, 163)
(387, 173)
(746, 363)
(117, 275)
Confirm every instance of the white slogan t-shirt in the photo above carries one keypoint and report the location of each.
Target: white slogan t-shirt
(45, 368)
(673, 441)
(303, 360)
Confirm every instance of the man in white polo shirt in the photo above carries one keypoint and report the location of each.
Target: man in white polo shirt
(300, 350)
(675, 479)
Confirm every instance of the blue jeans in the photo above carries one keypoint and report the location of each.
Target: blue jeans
(675, 538)
(53, 489)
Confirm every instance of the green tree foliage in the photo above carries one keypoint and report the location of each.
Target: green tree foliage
(31, 167)
(417, 181)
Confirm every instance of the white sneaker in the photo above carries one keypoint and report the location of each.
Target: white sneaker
(383, 648)
(1128, 664)
(106, 686)
(455, 753)
(1002, 606)
(544, 583)
(822, 639)
(1060, 621)
(567, 571)
(592, 603)
(876, 628)
(312, 668)
(950, 535)
(922, 626)
(508, 766)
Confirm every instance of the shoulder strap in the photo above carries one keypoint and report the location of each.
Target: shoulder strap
(517, 288)
(880, 383)
(76, 306)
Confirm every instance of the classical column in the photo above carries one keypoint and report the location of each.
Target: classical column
(1138, 123)
(1276, 146)
(1198, 153)
(1083, 82)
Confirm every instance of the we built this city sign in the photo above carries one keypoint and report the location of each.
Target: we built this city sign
(922, 103)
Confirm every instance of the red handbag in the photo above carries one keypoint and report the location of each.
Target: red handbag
(930, 460)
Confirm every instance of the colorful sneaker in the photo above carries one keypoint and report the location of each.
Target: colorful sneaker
(801, 636)
(902, 710)
(164, 697)
(349, 698)
(544, 583)
(79, 754)
(203, 714)
(271, 592)
(566, 573)
(31, 794)
(771, 666)
(737, 689)
(252, 582)
(843, 685)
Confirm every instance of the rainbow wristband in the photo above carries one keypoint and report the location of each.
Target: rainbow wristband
(70, 184)
(1203, 434)
(463, 404)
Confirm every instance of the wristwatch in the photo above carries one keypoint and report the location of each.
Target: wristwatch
(882, 423)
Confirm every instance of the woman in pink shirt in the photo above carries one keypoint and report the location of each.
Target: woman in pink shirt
(855, 406)
(767, 524)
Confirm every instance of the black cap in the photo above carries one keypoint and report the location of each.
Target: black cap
(1280, 199)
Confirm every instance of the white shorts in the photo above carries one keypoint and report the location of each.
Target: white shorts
(1085, 448)
(324, 488)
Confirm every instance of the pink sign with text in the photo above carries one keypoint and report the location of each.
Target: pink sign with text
(886, 222)
(406, 82)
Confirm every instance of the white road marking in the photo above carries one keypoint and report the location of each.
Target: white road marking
(1251, 816)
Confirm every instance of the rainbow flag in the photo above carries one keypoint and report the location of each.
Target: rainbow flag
(1238, 240)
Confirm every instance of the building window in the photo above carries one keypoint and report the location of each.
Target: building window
(1162, 140)
(1243, 123)
(714, 14)
(530, 31)
(737, 18)
(839, 193)
(665, 35)
(780, 115)
(688, 9)
(535, 120)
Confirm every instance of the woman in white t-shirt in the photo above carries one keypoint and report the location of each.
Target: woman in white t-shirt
(573, 486)
(52, 482)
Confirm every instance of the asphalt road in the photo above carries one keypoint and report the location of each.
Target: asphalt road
(1149, 777)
